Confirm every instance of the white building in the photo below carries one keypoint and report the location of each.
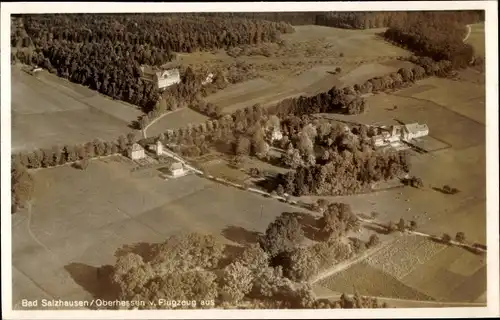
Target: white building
(276, 135)
(177, 169)
(136, 152)
(209, 79)
(396, 133)
(157, 148)
(414, 131)
(161, 78)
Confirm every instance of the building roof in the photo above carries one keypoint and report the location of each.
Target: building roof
(171, 73)
(136, 147)
(415, 127)
(176, 166)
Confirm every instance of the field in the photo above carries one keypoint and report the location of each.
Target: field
(79, 218)
(302, 65)
(48, 111)
(177, 119)
(106, 207)
(414, 267)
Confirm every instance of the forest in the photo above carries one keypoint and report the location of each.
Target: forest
(105, 52)
(438, 36)
(360, 19)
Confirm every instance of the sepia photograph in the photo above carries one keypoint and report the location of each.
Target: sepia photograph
(172, 160)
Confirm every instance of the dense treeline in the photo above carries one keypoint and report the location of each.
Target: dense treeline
(365, 20)
(57, 155)
(167, 32)
(104, 52)
(439, 36)
(360, 19)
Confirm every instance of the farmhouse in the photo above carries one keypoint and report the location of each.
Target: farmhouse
(136, 152)
(161, 78)
(396, 133)
(177, 169)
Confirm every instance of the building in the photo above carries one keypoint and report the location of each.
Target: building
(161, 78)
(177, 169)
(136, 152)
(209, 79)
(414, 131)
(276, 135)
(156, 148)
(394, 134)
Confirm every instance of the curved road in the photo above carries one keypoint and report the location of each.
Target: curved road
(469, 29)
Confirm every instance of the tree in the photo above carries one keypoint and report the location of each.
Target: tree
(254, 258)
(373, 241)
(122, 143)
(305, 144)
(83, 164)
(236, 282)
(282, 235)
(22, 186)
(391, 227)
(357, 245)
(131, 138)
(413, 225)
(273, 122)
(446, 238)
(402, 225)
(243, 146)
(460, 237)
(301, 264)
(280, 191)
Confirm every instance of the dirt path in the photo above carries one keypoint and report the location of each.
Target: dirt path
(469, 29)
(348, 263)
(144, 131)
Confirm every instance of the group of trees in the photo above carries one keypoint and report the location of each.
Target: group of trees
(283, 241)
(345, 173)
(436, 35)
(336, 100)
(105, 51)
(22, 186)
(196, 267)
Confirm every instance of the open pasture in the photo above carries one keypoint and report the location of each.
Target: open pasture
(48, 111)
(80, 218)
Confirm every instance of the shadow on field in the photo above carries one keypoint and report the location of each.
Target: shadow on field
(145, 250)
(240, 235)
(95, 280)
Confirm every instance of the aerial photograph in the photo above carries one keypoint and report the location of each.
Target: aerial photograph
(248, 160)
